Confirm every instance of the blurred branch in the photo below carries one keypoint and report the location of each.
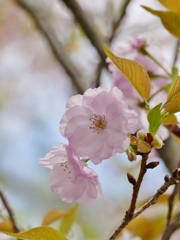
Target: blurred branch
(41, 15)
(171, 203)
(9, 211)
(87, 27)
(170, 230)
(170, 146)
(117, 23)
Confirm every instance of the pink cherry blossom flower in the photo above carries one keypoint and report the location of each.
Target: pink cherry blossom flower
(97, 123)
(71, 177)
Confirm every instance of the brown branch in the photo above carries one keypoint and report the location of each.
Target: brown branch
(130, 212)
(154, 199)
(170, 230)
(40, 13)
(87, 27)
(9, 211)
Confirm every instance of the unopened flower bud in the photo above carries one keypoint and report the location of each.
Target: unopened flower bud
(143, 147)
(131, 179)
(157, 142)
(152, 165)
(166, 178)
(131, 156)
(176, 173)
(141, 134)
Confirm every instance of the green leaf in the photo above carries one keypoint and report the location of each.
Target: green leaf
(68, 220)
(170, 20)
(155, 119)
(52, 216)
(39, 233)
(134, 72)
(173, 98)
(172, 5)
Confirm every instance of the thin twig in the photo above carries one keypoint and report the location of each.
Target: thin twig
(170, 230)
(46, 26)
(130, 212)
(154, 199)
(9, 211)
(130, 216)
(171, 204)
(87, 27)
(98, 75)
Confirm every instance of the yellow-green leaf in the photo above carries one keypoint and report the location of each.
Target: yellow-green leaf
(171, 119)
(174, 105)
(6, 226)
(155, 119)
(172, 5)
(52, 216)
(134, 72)
(170, 20)
(174, 89)
(173, 97)
(68, 220)
(39, 233)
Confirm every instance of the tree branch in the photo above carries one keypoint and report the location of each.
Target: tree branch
(117, 23)
(9, 211)
(130, 214)
(170, 145)
(171, 204)
(40, 13)
(87, 27)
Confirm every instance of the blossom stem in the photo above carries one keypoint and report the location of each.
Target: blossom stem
(145, 52)
(129, 217)
(130, 212)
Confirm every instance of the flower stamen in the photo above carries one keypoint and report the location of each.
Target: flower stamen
(98, 123)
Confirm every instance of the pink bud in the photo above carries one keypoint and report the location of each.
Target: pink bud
(131, 156)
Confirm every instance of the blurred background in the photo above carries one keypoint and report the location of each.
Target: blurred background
(47, 54)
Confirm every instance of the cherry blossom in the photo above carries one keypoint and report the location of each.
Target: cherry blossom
(96, 124)
(71, 177)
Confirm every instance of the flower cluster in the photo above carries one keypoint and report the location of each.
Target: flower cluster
(99, 124)
(96, 126)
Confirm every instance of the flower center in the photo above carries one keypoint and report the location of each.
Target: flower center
(98, 123)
